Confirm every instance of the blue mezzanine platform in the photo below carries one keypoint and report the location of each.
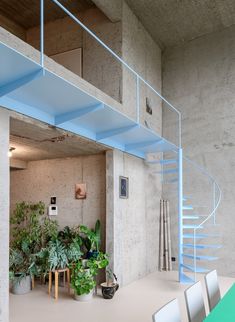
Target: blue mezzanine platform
(38, 93)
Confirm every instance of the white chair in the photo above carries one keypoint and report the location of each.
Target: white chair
(195, 303)
(168, 313)
(212, 289)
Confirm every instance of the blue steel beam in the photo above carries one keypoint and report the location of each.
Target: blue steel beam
(107, 134)
(75, 114)
(22, 81)
(139, 145)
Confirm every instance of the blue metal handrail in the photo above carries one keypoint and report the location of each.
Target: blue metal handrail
(212, 213)
(138, 77)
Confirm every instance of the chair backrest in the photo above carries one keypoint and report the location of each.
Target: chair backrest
(195, 303)
(212, 288)
(168, 313)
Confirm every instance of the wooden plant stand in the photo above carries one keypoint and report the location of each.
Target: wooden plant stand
(56, 273)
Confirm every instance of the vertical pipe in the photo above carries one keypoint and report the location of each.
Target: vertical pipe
(180, 130)
(42, 33)
(161, 237)
(180, 212)
(169, 235)
(4, 216)
(165, 236)
(194, 255)
(214, 201)
(137, 99)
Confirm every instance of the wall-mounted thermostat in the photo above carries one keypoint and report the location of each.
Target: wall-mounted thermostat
(53, 210)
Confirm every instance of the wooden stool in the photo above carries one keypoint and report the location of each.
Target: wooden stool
(32, 282)
(57, 272)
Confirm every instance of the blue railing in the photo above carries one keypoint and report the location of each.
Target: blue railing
(137, 76)
(212, 193)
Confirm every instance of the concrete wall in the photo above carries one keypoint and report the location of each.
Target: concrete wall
(127, 38)
(199, 78)
(133, 223)
(144, 55)
(4, 216)
(136, 246)
(57, 177)
(99, 66)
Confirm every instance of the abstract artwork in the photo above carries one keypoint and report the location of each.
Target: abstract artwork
(80, 191)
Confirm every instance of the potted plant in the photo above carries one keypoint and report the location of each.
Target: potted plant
(97, 263)
(91, 239)
(70, 238)
(57, 255)
(54, 255)
(22, 267)
(110, 287)
(83, 274)
(82, 281)
(25, 242)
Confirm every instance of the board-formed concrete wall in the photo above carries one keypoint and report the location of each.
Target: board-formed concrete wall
(128, 39)
(142, 53)
(199, 78)
(99, 67)
(57, 177)
(133, 223)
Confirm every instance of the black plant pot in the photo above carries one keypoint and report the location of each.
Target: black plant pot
(108, 291)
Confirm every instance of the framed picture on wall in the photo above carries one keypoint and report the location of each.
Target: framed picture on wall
(123, 187)
(80, 191)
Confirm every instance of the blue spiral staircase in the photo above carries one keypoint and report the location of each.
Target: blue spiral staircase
(28, 87)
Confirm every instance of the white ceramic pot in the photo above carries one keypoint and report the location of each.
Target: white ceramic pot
(84, 297)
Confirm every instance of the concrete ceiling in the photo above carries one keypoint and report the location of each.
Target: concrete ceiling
(26, 13)
(33, 140)
(171, 22)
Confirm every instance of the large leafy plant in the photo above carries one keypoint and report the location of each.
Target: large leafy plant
(54, 255)
(82, 280)
(26, 239)
(98, 263)
(58, 254)
(49, 231)
(91, 237)
(26, 225)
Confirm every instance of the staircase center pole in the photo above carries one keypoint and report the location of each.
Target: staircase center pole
(180, 212)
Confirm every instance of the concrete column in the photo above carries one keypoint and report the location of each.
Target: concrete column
(4, 216)
(113, 213)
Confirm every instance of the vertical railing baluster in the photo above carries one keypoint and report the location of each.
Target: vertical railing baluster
(214, 201)
(137, 99)
(194, 255)
(42, 33)
(180, 212)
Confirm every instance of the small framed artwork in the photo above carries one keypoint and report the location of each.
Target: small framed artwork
(80, 191)
(123, 187)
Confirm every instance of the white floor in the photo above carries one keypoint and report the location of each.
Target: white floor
(133, 303)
